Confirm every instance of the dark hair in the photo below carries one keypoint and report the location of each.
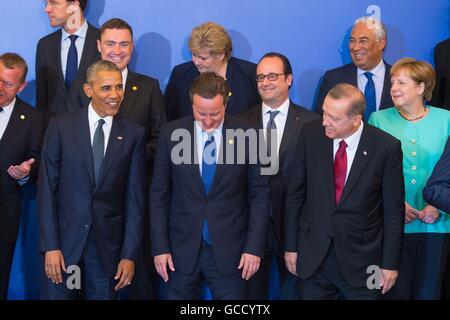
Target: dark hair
(14, 61)
(287, 68)
(98, 66)
(116, 23)
(208, 85)
(83, 4)
(348, 91)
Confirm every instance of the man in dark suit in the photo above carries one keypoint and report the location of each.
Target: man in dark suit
(345, 204)
(21, 131)
(437, 193)
(91, 192)
(274, 78)
(64, 55)
(208, 201)
(368, 71)
(143, 103)
(441, 94)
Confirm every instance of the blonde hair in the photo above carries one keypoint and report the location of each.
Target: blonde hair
(419, 72)
(212, 37)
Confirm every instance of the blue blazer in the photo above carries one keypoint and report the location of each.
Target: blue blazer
(237, 206)
(348, 74)
(71, 205)
(240, 78)
(437, 189)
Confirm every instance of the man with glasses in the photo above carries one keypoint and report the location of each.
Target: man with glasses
(284, 119)
(368, 72)
(63, 55)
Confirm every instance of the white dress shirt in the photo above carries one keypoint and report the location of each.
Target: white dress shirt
(202, 137)
(352, 145)
(79, 43)
(124, 78)
(378, 80)
(5, 115)
(280, 119)
(93, 124)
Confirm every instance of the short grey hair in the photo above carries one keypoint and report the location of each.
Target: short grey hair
(101, 65)
(374, 23)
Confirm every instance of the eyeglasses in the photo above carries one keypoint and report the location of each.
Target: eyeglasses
(270, 76)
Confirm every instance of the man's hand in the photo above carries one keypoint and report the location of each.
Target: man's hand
(291, 262)
(161, 262)
(388, 278)
(430, 214)
(54, 262)
(125, 273)
(20, 171)
(249, 265)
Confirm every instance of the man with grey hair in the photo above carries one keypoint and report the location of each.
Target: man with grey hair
(368, 71)
(91, 193)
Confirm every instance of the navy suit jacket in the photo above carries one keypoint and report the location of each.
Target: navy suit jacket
(237, 206)
(240, 77)
(437, 190)
(441, 94)
(296, 119)
(71, 205)
(51, 90)
(348, 74)
(21, 141)
(366, 225)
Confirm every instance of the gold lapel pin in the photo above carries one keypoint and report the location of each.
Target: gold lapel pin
(119, 138)
(230, 93)
(134, 88)
(365, 152)
(231, 141)
(22, 117)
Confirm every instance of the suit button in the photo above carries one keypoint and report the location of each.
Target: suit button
(414, 167)
(414, 153)
(413, 140)
(413, 181)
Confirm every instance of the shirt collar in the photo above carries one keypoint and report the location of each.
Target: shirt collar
(81, 32)
(124, 76)
(94, 117)
(283, 109)
(353, 140)
(377, 71)
(9, 108)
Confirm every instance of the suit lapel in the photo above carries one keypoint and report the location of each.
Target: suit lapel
(386, 94)
(363, 154)
(15, 122)
(83, 137)
(55, 57)
(89, 46)
(326, 144)
(131, 92)
(291, 126)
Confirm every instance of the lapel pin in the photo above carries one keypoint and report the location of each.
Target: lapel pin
(22, 117)
(134, 88)
(230, 93)
(119, 138)
(231, 141)
(365, 152)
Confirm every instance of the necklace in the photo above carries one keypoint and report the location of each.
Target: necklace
(413, 119)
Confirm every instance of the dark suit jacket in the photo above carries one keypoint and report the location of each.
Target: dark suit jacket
(236, 206)
(71, 205)
(143, 103)
(441, 94)
(241, 76)
(21, 141)
(366, 225)
(437, 190)
(297, 117)
(348, 74)
(51, 90)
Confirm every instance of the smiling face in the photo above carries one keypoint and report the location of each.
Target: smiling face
(406, 92)
(10, 84)
(116, 45)
(106, 91)
(366, 50)
(273, 93)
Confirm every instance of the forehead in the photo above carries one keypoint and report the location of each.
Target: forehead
(108, 77)
(10, 74)
(206, 105)
(361, 29)
(336, 107)
(116, 34)
(271, 63)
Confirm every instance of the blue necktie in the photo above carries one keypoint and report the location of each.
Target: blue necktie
(98, 149)
(208, 172)
(369, 93)
(72, 62)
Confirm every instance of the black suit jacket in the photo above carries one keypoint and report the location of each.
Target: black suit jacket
(71, 204)
(21, 141)
(437, 190)
(297, 117)
(441, 94)
(366, 225)
(236, 206)
(51, 90)
(348, 74)
(142, 103)
(240, 78)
